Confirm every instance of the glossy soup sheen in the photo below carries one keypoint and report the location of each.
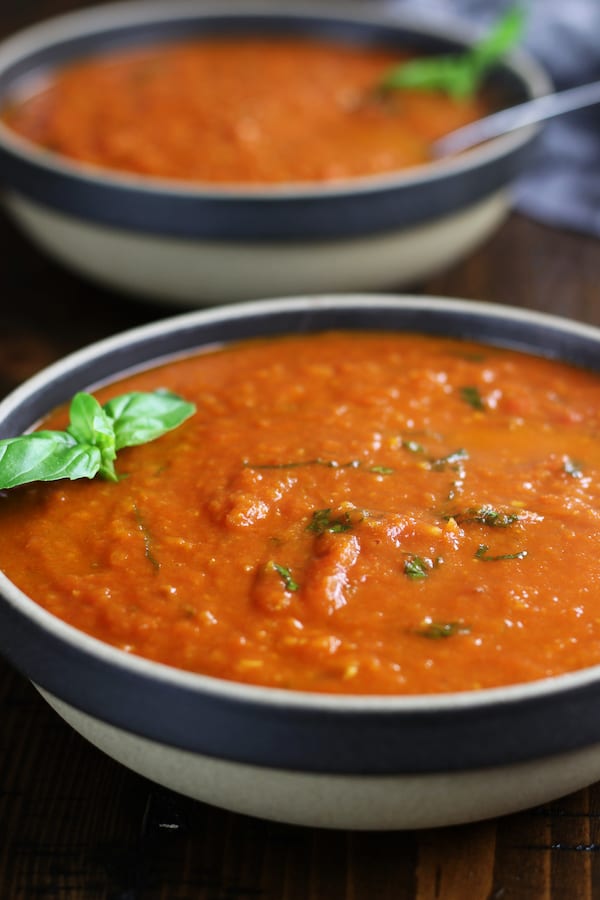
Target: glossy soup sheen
(239, 110)
(345, 512)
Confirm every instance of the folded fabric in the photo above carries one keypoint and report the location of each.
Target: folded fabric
(561, 186)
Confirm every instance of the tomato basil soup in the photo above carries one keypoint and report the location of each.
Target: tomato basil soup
(239, 110)
(345, 512)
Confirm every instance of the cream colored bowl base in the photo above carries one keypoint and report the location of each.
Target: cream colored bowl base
(197, 272)
(343, 801)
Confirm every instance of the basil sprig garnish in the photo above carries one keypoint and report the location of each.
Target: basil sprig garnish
(95, 433)
(460, 74)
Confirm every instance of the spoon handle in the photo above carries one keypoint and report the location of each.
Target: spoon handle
(528, 113)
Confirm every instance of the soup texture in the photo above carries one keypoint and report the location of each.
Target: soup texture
(345, 512)
(238, 110)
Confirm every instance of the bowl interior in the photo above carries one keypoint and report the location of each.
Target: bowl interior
(315, 733)
(51, 196)
(44, 48)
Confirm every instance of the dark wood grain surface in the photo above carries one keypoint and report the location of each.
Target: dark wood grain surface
(74, 825)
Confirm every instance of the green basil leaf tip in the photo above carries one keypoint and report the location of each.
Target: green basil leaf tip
(460, 74)
(89, 445)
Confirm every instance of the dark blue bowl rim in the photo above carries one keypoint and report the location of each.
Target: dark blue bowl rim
(286, 729)
(299, 211)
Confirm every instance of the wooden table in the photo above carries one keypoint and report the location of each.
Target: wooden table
(74, 825)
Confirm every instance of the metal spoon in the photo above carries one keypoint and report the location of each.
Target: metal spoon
(506, 120)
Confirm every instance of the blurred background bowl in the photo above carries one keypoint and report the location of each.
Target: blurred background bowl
(362, 762)
(194, 244)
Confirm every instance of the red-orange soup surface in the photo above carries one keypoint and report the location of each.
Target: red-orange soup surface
(239, 110)
(345, 512)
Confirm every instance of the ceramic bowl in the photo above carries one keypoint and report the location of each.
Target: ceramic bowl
(321, 760)
(194, 244)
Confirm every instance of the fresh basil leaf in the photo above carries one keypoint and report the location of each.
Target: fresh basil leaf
(89, 445)
(504, 35)
(90, 424)
(46, 456)
(460, 74)
(446, 73)
(141, 417)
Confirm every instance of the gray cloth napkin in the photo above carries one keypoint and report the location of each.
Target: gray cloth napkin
(561, 186)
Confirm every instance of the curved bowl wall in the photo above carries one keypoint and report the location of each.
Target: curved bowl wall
(198, 243)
